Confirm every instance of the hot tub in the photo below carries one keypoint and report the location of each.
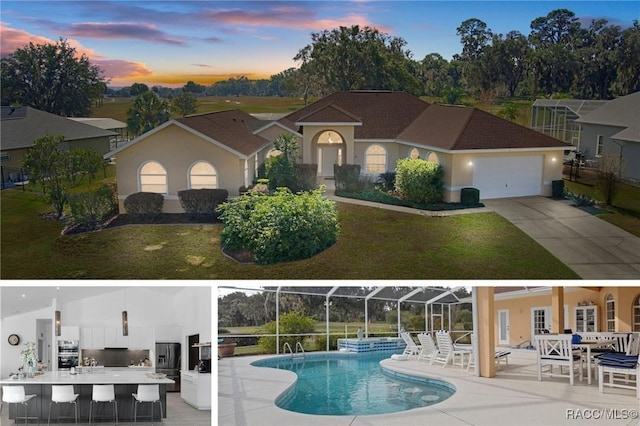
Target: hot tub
(371, 344)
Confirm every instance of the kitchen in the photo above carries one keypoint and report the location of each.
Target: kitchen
(124, 337)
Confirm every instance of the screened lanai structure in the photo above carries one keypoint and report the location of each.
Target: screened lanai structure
(438, 302)
(556, 117)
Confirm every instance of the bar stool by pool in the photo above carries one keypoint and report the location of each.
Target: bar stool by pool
(103, 393)
(63, 394)
(16, 395)
(146, 393)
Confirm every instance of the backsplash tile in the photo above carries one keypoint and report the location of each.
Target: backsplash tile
(115, 357)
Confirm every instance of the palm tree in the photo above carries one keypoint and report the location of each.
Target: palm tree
(510, 111)
(147, 112)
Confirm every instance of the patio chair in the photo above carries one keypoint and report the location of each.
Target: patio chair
(556, 350)
(429, 348)
(623, 369)
(448, 352)
(411, 350)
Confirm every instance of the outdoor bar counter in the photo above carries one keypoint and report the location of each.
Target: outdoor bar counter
(126, 383)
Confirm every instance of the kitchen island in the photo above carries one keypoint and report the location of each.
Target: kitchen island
(125, 383)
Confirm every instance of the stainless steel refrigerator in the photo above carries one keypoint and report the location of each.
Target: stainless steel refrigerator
(168, 362)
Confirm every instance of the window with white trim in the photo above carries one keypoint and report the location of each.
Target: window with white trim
(610, 311)
(153, 178)
(599, 145)
(636, 314)
(433, 158)
(203, 175)
(414, 153)
(375, 159)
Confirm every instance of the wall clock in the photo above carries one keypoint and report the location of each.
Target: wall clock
(14, 340)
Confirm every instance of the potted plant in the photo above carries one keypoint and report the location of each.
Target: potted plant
(226, 349)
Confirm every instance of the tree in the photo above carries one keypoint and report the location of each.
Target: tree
(281, 169)
(608, 176)
(192, 87)
(51, 77)
(137, 89)
(452, 94)
(628, 77)
(433, 72)
(147, 112)
(185, 104)
(510, 111)
(355, 58)
(512, 59)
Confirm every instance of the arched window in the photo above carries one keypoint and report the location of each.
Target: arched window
(414, 153)
(636, 314)
(610, 310)
(375, 160)
(203, 175)
(433, 158)
(153, 178)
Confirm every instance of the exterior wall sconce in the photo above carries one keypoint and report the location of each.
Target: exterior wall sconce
(58, 326)
(470, 163)
(553, 159)
(125, 324)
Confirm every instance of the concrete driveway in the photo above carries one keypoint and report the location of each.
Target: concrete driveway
(592, 248)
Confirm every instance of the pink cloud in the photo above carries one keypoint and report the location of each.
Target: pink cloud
(12, 39)
(121, 69)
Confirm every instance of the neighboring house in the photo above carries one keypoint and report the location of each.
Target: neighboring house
(21, 126)
(118, 127)
(523, 312)
(371, 128)
(614, 130)
(557, 117)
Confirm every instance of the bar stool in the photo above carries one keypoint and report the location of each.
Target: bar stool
(146, 393)
(16, 395)
(103, 393)
(63, 394)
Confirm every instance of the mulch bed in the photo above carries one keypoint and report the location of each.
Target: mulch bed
(127, 219)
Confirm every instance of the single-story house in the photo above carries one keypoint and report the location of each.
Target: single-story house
(118, 127)
(21, 126)
(613, 129)
(371, 128)
(523, 312)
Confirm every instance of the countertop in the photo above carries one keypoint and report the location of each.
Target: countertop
(106, 377)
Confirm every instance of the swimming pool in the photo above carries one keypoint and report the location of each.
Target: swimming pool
(351, 384)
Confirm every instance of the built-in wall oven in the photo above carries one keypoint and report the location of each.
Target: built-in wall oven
(68, 354)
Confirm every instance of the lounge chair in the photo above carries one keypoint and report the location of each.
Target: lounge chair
(623, 369)
(429, 348)
(448, 352)
(499, 355)
(411, 350)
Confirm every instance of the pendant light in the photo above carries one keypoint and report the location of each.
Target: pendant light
(58, 324)
(125, 319)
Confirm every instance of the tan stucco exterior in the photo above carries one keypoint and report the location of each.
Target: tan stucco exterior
(177, 150)
(99, 145)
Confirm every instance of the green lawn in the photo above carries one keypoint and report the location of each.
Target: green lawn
(374, 244)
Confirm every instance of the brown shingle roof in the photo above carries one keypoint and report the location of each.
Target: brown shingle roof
(384, 115)
(232, 128)
(461, 128)
(329, 114)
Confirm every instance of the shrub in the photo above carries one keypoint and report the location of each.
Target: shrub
(91, 208)
(290, 323)
(306, 177)
(280, 227)
(321, 342)
(557, 189)
(419, 181)
(148, 204)
(281, 173)
(387, 181)
(197, 202)
(469, 196)
(347, 177)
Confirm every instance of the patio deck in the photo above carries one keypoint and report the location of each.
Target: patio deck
(246, 397)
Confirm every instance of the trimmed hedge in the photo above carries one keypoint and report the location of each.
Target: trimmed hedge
(347, 177)
(202, 201)
(419, 181)
(92, 207)
(147, 204)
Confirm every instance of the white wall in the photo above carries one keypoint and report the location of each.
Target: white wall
(195, 305)
(24, 325)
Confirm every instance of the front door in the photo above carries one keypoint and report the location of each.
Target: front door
(503, 327)
(327, 157)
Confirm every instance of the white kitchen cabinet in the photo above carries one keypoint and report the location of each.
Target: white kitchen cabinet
(168, 334)
(85, 338)
(586, 319)
(92, 338)
(113, 338)
(195, 389)
(69, 333)
(141, 338)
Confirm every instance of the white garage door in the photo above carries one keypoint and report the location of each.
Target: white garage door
(501, 177)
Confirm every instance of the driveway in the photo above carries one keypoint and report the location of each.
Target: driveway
(592, 248)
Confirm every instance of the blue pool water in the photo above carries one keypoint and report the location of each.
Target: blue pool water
(348, 384)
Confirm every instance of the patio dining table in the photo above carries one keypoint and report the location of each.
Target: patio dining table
(587, 345)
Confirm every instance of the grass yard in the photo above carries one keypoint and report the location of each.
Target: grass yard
(374, 244)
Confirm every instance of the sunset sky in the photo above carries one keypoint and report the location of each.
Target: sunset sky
(168, 43)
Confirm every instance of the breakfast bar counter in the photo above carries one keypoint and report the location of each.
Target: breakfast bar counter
(125, 384)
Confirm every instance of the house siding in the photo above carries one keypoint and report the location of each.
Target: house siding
(177, 149)
(630, 150)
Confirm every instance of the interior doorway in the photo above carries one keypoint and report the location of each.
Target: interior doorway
(194, 356)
